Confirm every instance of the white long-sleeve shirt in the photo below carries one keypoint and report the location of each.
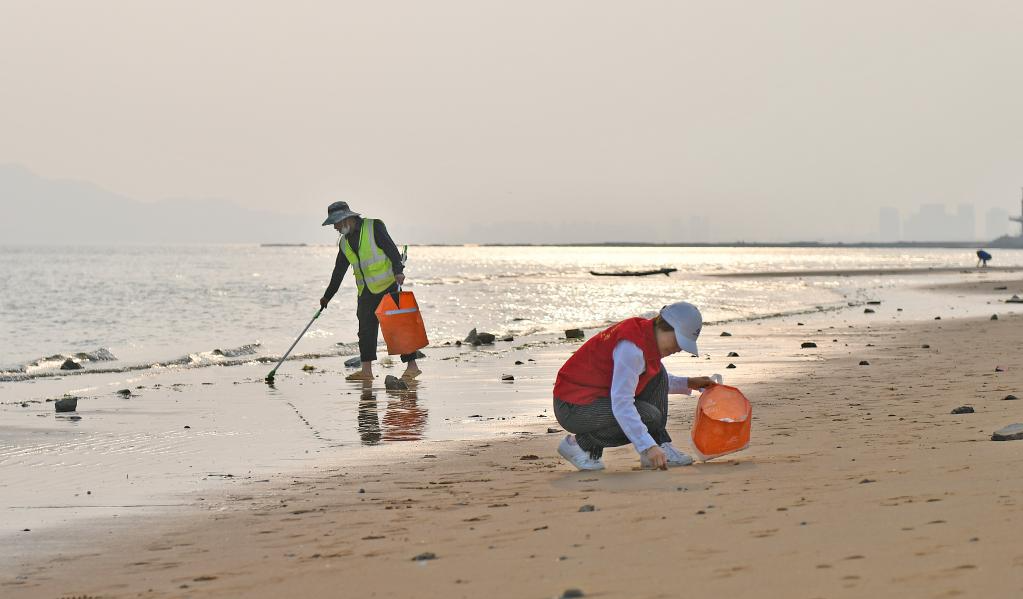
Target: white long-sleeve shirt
(629, 364)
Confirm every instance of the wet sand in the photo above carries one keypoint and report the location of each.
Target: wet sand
(859, 481)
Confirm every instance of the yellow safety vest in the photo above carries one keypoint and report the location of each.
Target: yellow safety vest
(372, 267)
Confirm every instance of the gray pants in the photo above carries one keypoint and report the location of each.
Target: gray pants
(595, 426)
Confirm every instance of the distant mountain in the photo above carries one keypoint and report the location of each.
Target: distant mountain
(37, 210)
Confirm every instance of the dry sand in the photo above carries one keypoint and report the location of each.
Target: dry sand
(859, 482)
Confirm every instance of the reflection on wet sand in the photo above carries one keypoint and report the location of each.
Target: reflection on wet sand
(369, 423)
(404, 419)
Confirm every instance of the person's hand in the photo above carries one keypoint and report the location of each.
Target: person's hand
(701, 382)
(656, 458)
(400, 279)
(323, 303)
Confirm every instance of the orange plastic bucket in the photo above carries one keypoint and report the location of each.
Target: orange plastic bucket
(722, 422)
(402, 323)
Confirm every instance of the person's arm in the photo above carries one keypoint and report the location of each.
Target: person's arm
(679, 384)
(628, 366)
(385, 243)
(340, 267)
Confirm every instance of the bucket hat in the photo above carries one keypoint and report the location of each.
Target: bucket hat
(337, 212)
(687, 321)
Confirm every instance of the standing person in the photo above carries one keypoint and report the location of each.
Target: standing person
(369, 249)
(614, 389)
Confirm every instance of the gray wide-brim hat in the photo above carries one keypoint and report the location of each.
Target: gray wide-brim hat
(337, 212)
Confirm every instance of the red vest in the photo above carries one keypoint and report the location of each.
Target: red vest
(587, 374)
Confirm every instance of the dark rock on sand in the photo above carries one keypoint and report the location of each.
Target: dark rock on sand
(66, 404)
(1009, 397)
(1001, 288)
(730, 366)
(425, 556)
(487, 338)
(551, 429)
(572, 594)
(507, 377)
(124, 392)
(808, 345)
(574, 334)
(394, 383)
(353, 362)
(1013, 432)
(1014, 300)
(868, 311)
(725, 334)
(873, 303)
(925, 346)
(937, 318)
(507, 338)
(70, 364)
(587, 508)
(472, 338)
(519, 362)
(308, 368)
(864, 363)
(732, 354)
(994, 317)
(529, 457)
(963, 410)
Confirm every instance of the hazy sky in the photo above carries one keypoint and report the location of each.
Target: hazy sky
(540, 121)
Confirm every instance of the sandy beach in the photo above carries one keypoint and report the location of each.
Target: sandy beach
(859, 481)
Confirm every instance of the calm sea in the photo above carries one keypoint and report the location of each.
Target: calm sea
(177, 304)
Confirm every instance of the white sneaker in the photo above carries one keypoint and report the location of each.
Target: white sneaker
(674, 456)
(579, 457)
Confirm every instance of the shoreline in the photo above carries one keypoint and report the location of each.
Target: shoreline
(772, 514)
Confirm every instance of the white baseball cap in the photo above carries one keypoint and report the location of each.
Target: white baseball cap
(687, 322)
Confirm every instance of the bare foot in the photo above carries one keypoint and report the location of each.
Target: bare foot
(411, 373)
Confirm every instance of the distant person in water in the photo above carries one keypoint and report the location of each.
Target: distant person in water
(982, 258)
(614, 389)
(368, 248)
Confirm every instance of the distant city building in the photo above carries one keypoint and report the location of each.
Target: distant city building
(889, 224)
(933, 223)
(996, 223)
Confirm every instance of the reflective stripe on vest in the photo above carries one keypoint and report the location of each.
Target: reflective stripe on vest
(372, 267)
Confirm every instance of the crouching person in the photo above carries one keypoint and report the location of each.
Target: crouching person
(614, 390)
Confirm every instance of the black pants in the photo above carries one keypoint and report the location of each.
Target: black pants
(369, 325)
(595, 426)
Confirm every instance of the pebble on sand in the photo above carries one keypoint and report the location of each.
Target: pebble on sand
(864, 363)
(725, 334)
(124, 392)
(574, 334)
(963, 410)
(732, 354)
(808, 345)
(354, 362)
(425, 556)
(994, 317)
(572, 594)
(587, 508)
(551, 429)
(1009, 397)
(308, 368)
(1012, 432)
(925, 346)
(70, 364)
(529, 457)
(393, 383)
(66, 404)
(868, 311)
(730, 366)
(507, 377)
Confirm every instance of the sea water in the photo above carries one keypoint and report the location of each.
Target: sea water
(177, 305)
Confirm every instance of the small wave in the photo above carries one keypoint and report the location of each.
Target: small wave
(218, 357)
(245, 350)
